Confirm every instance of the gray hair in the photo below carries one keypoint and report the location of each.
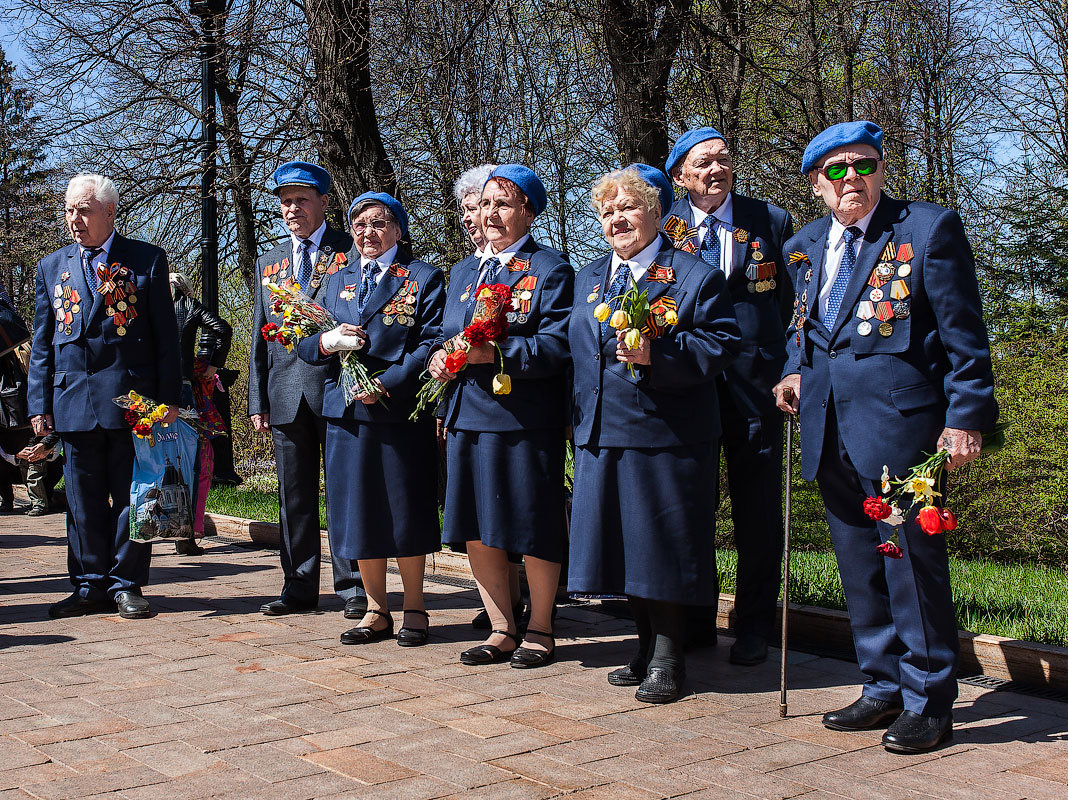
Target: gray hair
(472, 180)
(370, 202)
(103, 188)
(181, 283)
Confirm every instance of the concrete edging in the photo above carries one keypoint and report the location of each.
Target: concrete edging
(996, 656)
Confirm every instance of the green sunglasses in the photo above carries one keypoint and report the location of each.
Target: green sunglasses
(837, 170)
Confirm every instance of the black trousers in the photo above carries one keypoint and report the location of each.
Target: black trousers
(299, 447)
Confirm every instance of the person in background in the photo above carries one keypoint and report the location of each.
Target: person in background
(205, 342)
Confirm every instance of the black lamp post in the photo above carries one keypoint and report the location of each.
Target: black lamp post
(208, 11)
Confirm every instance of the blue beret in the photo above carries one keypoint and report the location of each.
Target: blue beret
(390, 202)
(659, 181)
(529, 183)
(841, 135)
(686, 143)
(301, 173)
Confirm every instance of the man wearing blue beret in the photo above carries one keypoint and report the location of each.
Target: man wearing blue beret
(285, 394)
(743, 238)
(888, 359)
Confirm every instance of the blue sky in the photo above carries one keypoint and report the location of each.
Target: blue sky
(9, 40)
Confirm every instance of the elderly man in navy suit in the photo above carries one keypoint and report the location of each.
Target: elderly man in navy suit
(285, 394)
(743, 238)
(103, 326)
(888, 358)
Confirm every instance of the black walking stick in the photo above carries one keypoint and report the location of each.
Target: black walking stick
(786, 560)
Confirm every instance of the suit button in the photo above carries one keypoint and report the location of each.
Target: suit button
(833, 354)
(824, 404)
(596, 356)
(596, 390)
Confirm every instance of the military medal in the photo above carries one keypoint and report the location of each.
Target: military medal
(885, 312)
(901, 310)
(885, 330)
(592, 296)
(387, 319)
(467, 294)
(119, 329)
(904, 270)
(875, 295)
(65, 276)
(865, 309)
(808, 275)
(758, 256)
(75, 308)
(864, 328)
(888, 252)
(348, 293)
(67, 330)
(741, 235)
(904, 252)
(899, 290)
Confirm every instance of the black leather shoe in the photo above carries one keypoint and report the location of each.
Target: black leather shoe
(488, 653)
(78, 606)
(660, 686)
(363, 634)
(630, 675)
(414, 637)
(913, 733)
(528, 658)
(863, 715)
(356, 607)
(749, 650)
(282, 606)
(132, 606)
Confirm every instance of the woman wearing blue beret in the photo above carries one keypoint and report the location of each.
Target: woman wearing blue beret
(381, 468)
(646, 425)
(505, 448)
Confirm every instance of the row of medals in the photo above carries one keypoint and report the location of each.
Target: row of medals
(65, 303)
(762, 285)
(884, 272)
(404, 316)
(519, 317)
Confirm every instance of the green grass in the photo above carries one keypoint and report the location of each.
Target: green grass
(1019, 602)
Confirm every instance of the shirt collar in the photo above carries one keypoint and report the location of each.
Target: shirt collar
(505, 255)
(385, 260)
(316, 237)
(104, 249)
(838, 229)
(725, 212)
(641, 262)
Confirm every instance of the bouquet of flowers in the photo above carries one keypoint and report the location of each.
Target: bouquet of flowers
(142, 414)
(631, 316)
(922, 483)
(301, 317)
(488, 326)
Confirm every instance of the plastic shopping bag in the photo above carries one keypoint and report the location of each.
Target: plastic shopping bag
(163, 491)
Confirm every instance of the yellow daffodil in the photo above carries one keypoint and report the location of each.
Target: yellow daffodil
(485, 293)
(922, 487)
(671, 318)
(602, 312)
(502, 384)
(620, 319)
(632, 338)
(591, 297)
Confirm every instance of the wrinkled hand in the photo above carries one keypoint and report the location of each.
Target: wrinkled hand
(33, 452)
(261, 423)
(788, 394)
(209, 372)
(441, 431)
(436, 367)
(344, 337)
(483, 354)
(368, 398)
(639, 355)
(962, 446)
(42, 424)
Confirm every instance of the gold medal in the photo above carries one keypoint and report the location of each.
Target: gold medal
(885, 329)
(120, 330)
(76, 308)
(132, 298)
(465, 297)
(110, 311)
(121, 305)
(387, 320)
(67, 330)
(758, 256)
(741, 235)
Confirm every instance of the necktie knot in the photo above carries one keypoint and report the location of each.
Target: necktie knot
(91, 279)
(370, 275)
(851, 234)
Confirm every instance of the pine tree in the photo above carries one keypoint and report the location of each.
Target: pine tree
(30, 226)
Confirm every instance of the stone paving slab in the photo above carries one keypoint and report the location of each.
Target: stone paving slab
(211, 699)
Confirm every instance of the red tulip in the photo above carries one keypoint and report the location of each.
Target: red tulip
(456, 360)
(949, 519)
(890, 550)
(930, 519)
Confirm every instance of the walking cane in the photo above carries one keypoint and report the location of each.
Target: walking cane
(786, 560)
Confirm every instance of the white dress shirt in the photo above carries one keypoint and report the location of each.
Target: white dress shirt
(101, 258)
(724, 230)
(639, 264)
(384, 261)
(504, 256)
(832, 257)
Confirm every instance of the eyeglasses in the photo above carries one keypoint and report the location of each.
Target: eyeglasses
(838, 169)
(379, 225)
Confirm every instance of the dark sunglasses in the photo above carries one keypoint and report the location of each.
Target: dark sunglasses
(837, 170)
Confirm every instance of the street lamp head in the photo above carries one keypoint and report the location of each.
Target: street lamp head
(206, 8)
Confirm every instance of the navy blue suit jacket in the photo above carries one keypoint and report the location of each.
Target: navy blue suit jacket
(395, 353)
(892, 395)
(278, 378)
(535, 351)
(762, 316)
(75, 376)
(673, 401)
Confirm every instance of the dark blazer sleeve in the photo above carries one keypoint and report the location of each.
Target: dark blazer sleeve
(950, 283)
(42, 367)
(216, 334)
(257, 358)
(784, 284)
(165, 331)
(705, 348)
(403, 377)
(546, 353)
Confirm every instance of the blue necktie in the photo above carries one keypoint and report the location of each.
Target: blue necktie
(89, 270)
(710, 250)
(370, 274)
(611, 296)
(487, 274)
(845, 272)
(304, 275)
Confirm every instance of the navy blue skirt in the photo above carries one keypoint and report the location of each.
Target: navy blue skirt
(507, 491)
(382, 489)
(643, 523)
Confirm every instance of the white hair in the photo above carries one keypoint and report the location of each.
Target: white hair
(472, 180)
(103, 188)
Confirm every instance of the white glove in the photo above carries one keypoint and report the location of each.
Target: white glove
(334, 341)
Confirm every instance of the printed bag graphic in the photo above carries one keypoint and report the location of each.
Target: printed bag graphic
(162, 491)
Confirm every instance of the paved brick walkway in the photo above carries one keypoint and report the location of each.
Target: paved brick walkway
(211, 699)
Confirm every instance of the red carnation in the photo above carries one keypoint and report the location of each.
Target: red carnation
(131, 417)
(930, 519)
(877, 508)
(456, 361)
(268, 331)
(890, 550)
(949, 519)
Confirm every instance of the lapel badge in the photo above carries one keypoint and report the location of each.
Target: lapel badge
(901, 310)
(904, 252)
(808, 275)
(741, 235)
(592, 296)
(467, 294)
(515, 265)
(658, 274)
(398, 271)
(64, 276)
